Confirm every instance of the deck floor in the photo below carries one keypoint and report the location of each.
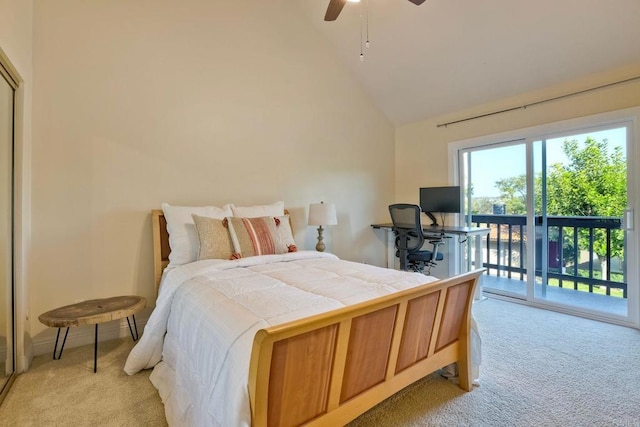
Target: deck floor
(608, 305)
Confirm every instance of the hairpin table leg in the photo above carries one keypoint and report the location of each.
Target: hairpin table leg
(134, 338)
(95, 352)
(55, 347)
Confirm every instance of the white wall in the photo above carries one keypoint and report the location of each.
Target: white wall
(16, 29)
(191, 102)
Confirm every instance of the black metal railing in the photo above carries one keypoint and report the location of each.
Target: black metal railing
(569, 241)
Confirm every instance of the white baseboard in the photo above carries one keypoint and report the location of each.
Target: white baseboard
(83, 335)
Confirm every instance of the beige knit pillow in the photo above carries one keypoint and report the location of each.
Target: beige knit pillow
(214, 238)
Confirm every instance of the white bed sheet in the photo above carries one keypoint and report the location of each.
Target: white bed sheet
(202, 363)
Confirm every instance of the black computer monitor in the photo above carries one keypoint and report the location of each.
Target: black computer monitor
(439, 199)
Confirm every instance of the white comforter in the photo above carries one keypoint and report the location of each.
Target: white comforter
(211, 310)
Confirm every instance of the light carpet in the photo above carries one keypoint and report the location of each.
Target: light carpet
(539, 368)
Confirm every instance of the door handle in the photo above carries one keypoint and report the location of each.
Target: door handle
(627, 220)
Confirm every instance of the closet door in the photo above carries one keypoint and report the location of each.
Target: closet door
(7, 353)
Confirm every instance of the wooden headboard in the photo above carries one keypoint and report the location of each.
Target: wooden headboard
(161, 248)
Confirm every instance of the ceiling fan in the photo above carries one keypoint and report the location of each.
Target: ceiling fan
(335, 7)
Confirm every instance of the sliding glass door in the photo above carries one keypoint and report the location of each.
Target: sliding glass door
(559, 212)
(495, 191)
(581, 198)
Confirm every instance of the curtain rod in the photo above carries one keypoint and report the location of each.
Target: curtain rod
(524, 106)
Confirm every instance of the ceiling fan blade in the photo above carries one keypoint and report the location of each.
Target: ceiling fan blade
(417, 2)
(334, 9)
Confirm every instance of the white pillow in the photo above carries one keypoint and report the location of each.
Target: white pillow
(183, 237)
(274, 209)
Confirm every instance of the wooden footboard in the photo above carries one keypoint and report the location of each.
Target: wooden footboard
(330, 368)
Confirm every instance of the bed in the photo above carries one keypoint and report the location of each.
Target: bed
(300, 338)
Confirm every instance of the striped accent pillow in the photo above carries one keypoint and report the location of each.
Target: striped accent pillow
(266, 235)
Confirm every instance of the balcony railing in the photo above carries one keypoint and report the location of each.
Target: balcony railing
(571, 259)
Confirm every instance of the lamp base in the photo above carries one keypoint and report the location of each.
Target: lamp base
(320, 247)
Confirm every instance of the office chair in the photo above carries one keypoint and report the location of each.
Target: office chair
(407, 226)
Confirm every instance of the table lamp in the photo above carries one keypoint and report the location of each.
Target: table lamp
(322, 214)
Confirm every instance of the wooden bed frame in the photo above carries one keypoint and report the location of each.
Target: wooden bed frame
(327, 369)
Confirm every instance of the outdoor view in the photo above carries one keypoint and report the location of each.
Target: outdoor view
(579, 197)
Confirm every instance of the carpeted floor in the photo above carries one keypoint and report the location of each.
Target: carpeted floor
(539, 368)
(66, 392)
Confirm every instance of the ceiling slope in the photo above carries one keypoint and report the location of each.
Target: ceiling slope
(448, 55)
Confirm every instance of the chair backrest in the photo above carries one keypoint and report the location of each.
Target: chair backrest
(407, 224)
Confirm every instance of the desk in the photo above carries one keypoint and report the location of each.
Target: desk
(476, 233)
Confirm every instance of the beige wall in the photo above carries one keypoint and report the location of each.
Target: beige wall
(16, 33)
(16, 17)
(422, 147)
(191, 102)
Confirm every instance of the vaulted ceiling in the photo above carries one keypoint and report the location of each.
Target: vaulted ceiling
(448, 55)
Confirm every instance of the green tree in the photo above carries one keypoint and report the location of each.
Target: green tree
(482, 205)
(592, 183)
(513, 193)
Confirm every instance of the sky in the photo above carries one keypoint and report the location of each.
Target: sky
(490, 165)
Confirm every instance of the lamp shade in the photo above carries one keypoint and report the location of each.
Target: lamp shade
(322, 214)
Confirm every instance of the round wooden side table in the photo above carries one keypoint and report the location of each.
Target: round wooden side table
(93, 312)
